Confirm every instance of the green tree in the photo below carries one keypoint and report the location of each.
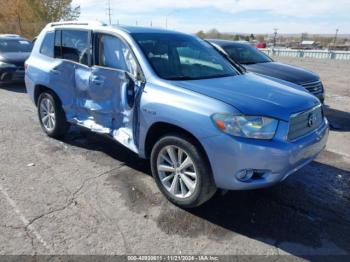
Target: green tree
(213, 33)
(201, 34)
(28, 17)
(55, 10)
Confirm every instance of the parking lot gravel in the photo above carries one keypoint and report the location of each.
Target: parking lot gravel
(86, 195)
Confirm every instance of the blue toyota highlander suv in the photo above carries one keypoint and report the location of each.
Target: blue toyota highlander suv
(173, 99)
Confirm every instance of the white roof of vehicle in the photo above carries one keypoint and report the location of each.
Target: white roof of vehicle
(307, 42)
(100, 25)
(10, 36)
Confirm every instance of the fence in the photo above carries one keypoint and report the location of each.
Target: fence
(321, 54)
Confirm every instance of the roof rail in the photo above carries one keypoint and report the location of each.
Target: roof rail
(10, 35)
(91, 23)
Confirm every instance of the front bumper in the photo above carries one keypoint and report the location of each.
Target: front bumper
(12, 75)
(275, 159)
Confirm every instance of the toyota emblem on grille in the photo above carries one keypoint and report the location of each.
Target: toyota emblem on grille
(311, 121)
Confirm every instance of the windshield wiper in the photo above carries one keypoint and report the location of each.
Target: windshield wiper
(181, 78)
(200, 78)
(249, 63)
(254, 63)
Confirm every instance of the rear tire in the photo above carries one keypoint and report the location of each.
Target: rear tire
(181, 171)
(51, 115)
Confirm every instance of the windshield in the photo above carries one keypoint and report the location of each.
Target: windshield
(182, 57)
(246, 54)
(15, 45)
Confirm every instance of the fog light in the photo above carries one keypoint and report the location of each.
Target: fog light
(245, 175)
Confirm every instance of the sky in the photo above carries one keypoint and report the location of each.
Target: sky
(234, 16)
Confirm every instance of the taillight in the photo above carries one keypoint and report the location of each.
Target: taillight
(26, 66)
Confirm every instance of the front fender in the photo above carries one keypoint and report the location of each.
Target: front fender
(183, 108)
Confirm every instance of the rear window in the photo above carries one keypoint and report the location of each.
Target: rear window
(15, 45)
(246, 54)
(47, 45)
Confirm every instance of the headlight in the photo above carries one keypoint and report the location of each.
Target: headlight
(257, 127)
(6, 65)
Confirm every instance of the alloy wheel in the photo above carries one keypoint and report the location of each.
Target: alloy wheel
(47, 114)
(176, 171)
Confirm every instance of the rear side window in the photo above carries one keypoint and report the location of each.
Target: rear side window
(75, 46)
(47, 45)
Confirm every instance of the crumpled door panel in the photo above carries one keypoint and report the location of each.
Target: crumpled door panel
(102, 104)
(62, 80)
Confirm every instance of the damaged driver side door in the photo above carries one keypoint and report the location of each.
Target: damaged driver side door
(114, 90)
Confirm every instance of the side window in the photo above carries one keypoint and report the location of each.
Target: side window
(58, 42)
(114, 53)
(75, 46)
(47, 44)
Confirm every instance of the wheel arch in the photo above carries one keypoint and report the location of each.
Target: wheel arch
(39, 89)
(160, 129)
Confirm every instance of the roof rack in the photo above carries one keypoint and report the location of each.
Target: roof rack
(91, 23)
(10, 35)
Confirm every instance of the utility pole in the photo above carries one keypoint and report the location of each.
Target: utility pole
(336, 36)
(275, 37)
(109, 9)
(166, 18)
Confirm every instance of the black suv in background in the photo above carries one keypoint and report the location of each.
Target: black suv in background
(258, 62)
(14, 51)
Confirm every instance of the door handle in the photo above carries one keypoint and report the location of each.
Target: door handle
(55, 71)
(97, 81)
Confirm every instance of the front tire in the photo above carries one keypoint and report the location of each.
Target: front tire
(181, 171)
(51, 115)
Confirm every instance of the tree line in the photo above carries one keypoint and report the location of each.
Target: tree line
(28, 17)
(323, 40)
(215, 34)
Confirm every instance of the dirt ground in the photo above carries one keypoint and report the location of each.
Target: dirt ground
(85, 195)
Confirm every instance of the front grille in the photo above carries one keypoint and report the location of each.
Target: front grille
(303, 123)
(18, 75)
(313, 87)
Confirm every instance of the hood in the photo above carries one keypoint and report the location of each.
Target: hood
(253, 95)
(283, 71)
(14, 57)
